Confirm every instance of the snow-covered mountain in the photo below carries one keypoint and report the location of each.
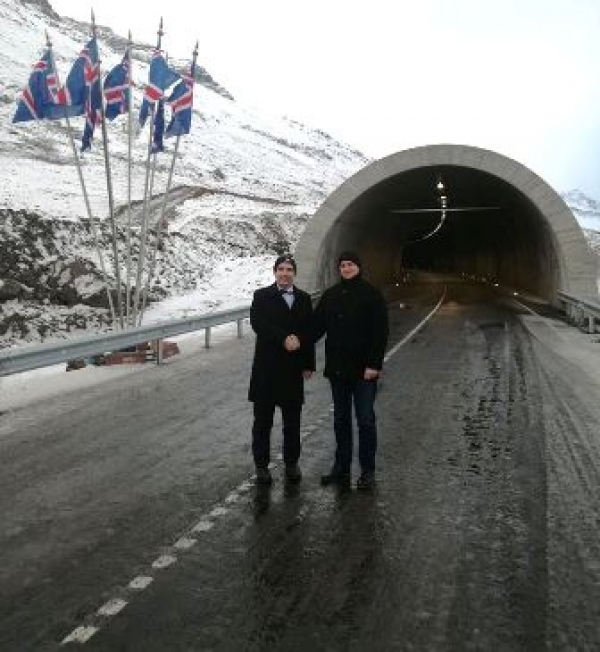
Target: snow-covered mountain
(244, 185)
(585, 209)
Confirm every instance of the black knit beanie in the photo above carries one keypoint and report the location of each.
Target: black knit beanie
(351, 256)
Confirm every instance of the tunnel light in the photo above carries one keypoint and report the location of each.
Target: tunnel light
(440, 184)
(515, 294)
(495, 285)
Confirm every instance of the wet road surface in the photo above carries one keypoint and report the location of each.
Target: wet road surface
(481, 535)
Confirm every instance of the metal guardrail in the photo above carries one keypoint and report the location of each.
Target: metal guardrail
(582, 312)
(25, 358)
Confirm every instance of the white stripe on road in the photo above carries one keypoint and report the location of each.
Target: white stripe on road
(140, 582)
(164, 561)
(112, 607)
(80, 635)
(202, 526)
(415, 330)
(185, 543)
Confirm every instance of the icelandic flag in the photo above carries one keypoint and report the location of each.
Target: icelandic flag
(117, 89)
(42, 98)
(159, 79)
(93, 106)
(159, 128)
(83, 89)
(82, 74)
(181, 101)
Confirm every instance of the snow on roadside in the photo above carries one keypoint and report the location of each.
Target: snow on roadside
(230, 285)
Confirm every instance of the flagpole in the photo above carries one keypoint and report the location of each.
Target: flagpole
(142, 250)
(163, 207)
(86, 198)
(158, 231)
(129, 156)
(143, 229)
(111, 203)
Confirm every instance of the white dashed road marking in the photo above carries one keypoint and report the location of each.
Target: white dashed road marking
(112, 607)
(140, 583)
(185, 543)
(80, 635)
(164, 561)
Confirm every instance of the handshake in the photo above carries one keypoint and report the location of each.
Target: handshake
(291, 343)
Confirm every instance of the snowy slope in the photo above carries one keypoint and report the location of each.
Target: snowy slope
(244, 185)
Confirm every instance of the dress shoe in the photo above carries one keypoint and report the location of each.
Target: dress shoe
(366, 481)
(336, 477)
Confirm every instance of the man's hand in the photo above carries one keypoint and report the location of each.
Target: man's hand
(371, 374)
(291, 343)
(307, 374)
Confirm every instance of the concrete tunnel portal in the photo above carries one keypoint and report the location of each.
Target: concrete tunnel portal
(504, 224)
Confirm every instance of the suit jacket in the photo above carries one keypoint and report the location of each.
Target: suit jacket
(277, 373)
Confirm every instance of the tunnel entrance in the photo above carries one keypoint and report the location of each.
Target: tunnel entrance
(501, 223)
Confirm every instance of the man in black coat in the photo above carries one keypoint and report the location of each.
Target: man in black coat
(353, 314)
(281, 316)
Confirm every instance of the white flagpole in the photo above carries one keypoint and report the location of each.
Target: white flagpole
(159, 224)
(147, 197)
(129, 156)
(143, 229)
(86, 198)
(109, 188)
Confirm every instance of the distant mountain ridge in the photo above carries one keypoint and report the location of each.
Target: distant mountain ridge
(579, 201)
(585, 209)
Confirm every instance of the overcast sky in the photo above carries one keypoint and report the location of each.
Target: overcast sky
(520, 77)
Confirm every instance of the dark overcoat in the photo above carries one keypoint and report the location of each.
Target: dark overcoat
(277, 373)
(353, 315)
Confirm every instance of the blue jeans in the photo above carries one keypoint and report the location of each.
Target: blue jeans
(363, 392)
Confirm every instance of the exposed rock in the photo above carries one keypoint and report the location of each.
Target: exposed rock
(44, 6)
(11, 289)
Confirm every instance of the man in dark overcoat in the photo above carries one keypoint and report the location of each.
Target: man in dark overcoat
(353, 315)
(281, 316)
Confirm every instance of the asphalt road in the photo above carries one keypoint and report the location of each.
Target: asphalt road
(481, 535)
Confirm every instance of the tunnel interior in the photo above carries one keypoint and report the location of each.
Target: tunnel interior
(490, 230)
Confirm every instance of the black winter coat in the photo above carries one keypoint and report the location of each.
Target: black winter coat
(277, 373)
(353, 314)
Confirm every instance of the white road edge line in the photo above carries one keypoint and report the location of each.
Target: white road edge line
(415, 330)
(533, 312)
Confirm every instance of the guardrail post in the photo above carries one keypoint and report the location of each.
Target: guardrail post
(591, 325)
(159, 351)
(240, 327)
(207, 337)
